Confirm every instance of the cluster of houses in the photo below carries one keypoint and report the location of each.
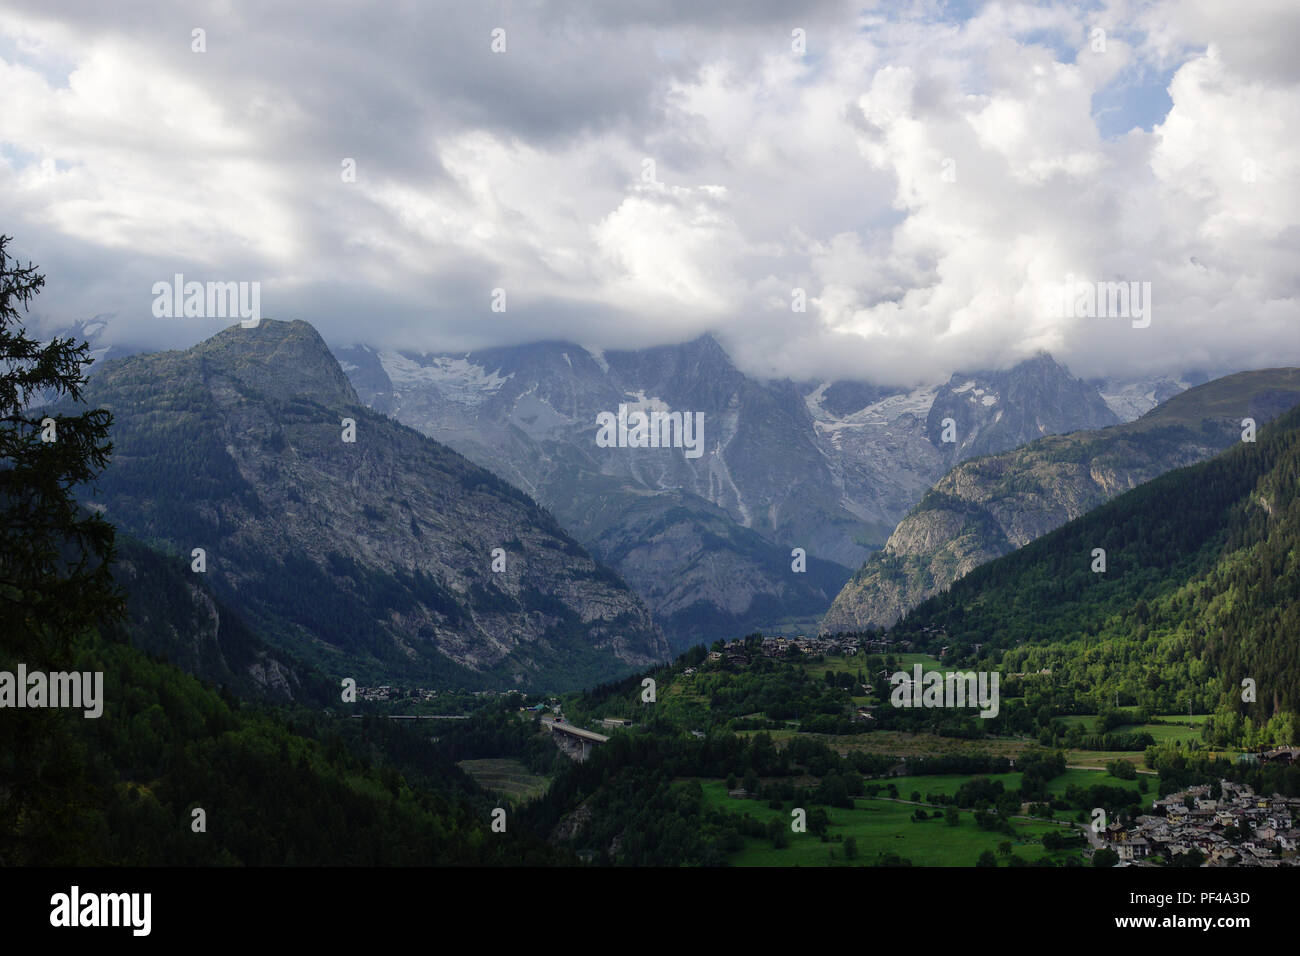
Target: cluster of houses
(736, 653)
(389, 692)
(1240, 828)
(393, 692)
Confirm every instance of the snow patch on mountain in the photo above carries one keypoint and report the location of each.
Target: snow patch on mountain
(638, 402)
(457, 379)
(916, 403)
(538, 417)
(1131, 400)
(814, 402)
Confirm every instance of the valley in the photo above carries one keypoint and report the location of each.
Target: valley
(442, 592)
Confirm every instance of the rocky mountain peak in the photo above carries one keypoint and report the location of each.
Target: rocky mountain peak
(996, 410)
(281, 360)
(386, 553)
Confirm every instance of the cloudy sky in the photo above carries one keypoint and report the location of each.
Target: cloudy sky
(638, 173)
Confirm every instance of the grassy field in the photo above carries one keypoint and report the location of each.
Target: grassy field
(834, 662)
(907, 660)
(681, 702)
(779, 736)
(840, 663)
(1179, 729)
(898, 743)
(1175, 729)
(1097, 759)
(947, 784)
(881, 826)
(1170, 732)
(507, 776)
(1091, 778)
(903, 744)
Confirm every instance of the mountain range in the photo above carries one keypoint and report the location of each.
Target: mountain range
(911, 487)
(709, 542)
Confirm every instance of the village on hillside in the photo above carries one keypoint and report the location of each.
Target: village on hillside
(1236, 828)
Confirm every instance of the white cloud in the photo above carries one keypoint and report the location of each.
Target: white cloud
(921, 179)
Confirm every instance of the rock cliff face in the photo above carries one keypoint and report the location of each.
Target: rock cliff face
(172, 614)
(994, 411)
(986, 507)
(828, 467)
(371, 558)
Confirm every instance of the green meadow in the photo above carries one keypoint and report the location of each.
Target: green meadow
(506, 776)
(947, 784)
(1091, 778)
(1174, 728)
(944, 784)
(881, 827)
(852, 664)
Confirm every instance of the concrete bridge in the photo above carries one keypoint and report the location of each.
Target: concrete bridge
(576, 742)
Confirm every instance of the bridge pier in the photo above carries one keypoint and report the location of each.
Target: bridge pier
(576, 742)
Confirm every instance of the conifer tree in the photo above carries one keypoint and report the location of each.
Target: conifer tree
(55, 578)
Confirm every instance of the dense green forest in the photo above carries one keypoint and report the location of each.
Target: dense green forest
(278, 785)
(281, 781)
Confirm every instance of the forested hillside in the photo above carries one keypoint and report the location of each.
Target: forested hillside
(1201, 590)
(988, 507)
(172, 615)
(302, 786)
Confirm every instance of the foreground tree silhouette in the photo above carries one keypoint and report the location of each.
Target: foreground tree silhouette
(55, 579)
(54, 557)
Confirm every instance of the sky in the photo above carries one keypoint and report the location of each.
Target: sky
(639, 173)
